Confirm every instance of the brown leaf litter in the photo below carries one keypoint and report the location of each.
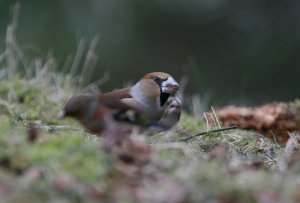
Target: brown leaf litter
(274, 119)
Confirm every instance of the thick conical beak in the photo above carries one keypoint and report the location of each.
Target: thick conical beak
(169, 86)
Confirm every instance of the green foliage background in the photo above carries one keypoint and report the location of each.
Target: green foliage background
(234, 51)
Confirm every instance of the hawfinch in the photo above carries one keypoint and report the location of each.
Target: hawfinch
(96, 118)
(89, 111)
(144, 102)
(172, 113)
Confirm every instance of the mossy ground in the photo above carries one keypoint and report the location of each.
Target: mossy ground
(66, 164)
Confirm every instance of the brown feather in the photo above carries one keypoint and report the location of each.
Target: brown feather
(162, 75)
(113, 99)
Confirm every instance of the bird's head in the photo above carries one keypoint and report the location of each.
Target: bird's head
(90, 112)
(80, 107)
(164, 81)
(173, 106)
(155, 87)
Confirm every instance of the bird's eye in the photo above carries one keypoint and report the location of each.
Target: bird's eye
(157, 79)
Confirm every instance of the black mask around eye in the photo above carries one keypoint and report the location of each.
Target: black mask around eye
(157, 80)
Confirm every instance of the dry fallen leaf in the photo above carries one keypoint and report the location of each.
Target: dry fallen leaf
(275, 119)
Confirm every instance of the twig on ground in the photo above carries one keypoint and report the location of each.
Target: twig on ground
(211, 131)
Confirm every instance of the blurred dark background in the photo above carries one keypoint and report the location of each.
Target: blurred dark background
(233, 52)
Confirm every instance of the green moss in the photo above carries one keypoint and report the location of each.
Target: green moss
(190, 123)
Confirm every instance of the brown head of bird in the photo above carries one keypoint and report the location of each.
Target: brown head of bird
(89, 111)
(152, 92)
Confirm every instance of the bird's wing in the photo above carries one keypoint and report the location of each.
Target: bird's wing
(124, 106)
(114, 98)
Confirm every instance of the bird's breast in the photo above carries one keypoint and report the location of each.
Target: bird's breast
(145, 97)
